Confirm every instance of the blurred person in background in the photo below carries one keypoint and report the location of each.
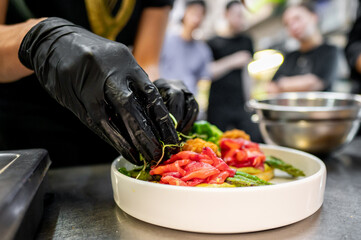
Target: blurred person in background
(78, 60)
(353, 52)
(314, 66)
(183, 57)
(232, 51)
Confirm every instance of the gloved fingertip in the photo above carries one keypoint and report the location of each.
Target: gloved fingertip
(131, 156)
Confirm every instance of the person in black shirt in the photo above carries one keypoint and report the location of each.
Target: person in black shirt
(313, 66)
(91, 75)
(353, 52)
(232, 52)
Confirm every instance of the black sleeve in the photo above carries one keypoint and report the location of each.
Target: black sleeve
(210, 43)
(327, 71)
(282, 70)
(157, 3)
(353, 47)
(251, 48)
(279, 73)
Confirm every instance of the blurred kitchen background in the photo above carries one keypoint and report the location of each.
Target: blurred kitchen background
(263, 22)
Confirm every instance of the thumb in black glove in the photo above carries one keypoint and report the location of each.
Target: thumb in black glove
(179, 101)
(101, 83)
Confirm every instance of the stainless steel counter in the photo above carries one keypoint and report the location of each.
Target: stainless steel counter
(80, 205)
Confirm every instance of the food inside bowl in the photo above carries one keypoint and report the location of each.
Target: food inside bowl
(211, 158)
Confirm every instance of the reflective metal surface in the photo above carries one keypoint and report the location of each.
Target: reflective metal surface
(314, 137)
(315, 122)
(22, 174)
(80, 205)
(308, 106)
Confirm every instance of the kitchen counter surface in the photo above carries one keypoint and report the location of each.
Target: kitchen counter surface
(80, 205)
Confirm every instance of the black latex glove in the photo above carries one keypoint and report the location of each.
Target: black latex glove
(101, 83)
(179, 101)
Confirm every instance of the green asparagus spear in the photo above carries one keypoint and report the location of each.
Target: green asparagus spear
(252, 177)
(281, 165)
(241, 181)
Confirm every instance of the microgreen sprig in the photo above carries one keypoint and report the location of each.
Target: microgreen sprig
(163, 150)
(180, 135)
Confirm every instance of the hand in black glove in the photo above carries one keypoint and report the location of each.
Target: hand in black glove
(179, 101)
(101, 83)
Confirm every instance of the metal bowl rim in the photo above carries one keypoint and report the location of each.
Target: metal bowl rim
(255, 104)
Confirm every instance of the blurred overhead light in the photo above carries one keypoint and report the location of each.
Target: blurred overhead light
(256, 5)
(265, 60)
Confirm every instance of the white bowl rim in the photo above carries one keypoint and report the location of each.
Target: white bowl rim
(236, 189)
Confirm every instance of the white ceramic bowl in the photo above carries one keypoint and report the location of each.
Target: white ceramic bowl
(226, 210)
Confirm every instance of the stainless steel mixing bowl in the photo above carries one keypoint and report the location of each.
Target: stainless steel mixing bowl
(315, 122)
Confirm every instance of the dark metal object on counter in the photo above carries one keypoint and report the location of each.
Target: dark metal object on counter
(83, 208)
(315, 122)
(22, 189)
